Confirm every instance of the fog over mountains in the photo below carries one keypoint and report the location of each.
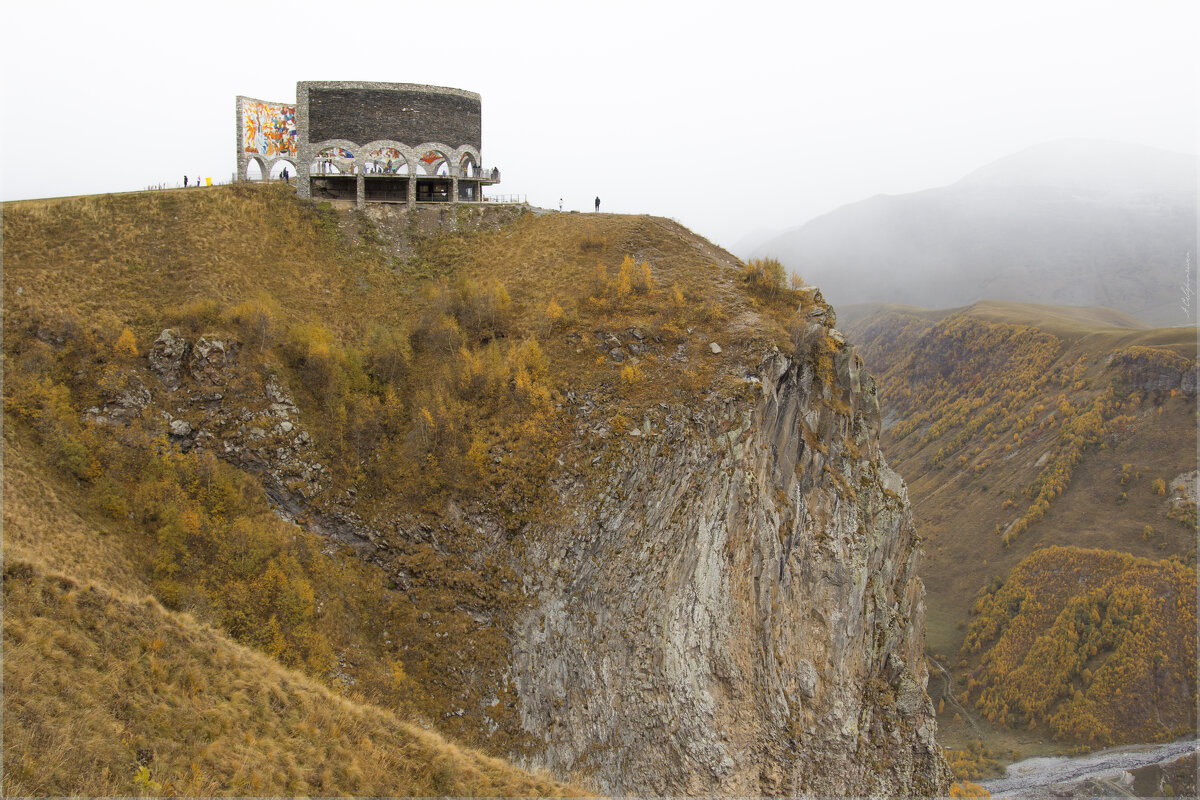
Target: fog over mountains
(1072, 222)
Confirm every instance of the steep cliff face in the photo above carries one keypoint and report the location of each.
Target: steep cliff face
(731, 606)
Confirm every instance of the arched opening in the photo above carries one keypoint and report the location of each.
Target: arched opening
(279, 166)
(467, 167)
(332, 175)
(254, 170)
(386, 176)
(333, 161)
(434, 163)
(385, 161)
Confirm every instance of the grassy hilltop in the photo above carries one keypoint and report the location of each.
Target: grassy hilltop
(407, 373)
(1038, 439)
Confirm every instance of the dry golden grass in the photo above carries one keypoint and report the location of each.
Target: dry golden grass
(48, 522)
(130, 257)
(99, 684)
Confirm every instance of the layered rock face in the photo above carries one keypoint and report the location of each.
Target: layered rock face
(725, 603)
(729, 603)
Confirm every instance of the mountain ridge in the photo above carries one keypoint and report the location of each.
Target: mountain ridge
(1035, 226)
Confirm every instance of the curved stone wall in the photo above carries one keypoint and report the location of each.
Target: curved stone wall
(400, 112)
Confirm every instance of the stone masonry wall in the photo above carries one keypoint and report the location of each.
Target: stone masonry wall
(402, 115)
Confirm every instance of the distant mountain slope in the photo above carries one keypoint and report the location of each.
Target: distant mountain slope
(1019, 427)
(1068, 223)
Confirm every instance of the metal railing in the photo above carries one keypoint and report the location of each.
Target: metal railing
(506, 198)
(487, 174)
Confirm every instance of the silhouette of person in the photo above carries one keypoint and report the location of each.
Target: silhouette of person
(185, 181)
(597, 204)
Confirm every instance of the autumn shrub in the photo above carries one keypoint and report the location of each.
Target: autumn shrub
(126, 345)
(438, 333)
(197, 316)
(552, 317)
(388, 352)
(46, 404)
(765, 277)
(623, 284)
(643, 282)
(255, 320)
(632, 375)
(484, 311)
(318, 359)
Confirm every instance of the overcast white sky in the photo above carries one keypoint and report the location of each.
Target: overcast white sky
(731, 117)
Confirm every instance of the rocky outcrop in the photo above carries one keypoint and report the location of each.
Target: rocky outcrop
(728, 603)
(248, 419)
(166, 357)
(1151, 369)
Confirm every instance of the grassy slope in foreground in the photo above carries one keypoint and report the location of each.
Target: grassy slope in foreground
(108, 693)
(992, 420)
(98, 685)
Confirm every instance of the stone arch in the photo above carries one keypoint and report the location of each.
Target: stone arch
(333, 157)
(377, 154)
(260, 166)
(468, 161)
(435, 158)
(278, 165)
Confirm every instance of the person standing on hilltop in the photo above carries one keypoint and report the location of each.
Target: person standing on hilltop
(597, 205)
(185, 181)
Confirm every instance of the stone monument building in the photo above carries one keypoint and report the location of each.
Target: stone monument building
(369, 142)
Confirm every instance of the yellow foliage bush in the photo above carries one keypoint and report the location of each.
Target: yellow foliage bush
(624, 283)
(765, 277)
(643, 283)
(632, 375)
(126, 345)
(1098, 645)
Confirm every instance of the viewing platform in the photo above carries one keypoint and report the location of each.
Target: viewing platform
(392, 187)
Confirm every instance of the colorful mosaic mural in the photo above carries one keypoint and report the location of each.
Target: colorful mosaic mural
(268, 128)
(387, 160)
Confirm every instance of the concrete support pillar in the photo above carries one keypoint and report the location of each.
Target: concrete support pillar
(361, 189)
(412, 189)
(454, 189)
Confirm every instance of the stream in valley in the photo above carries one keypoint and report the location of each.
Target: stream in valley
(1034, 774)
